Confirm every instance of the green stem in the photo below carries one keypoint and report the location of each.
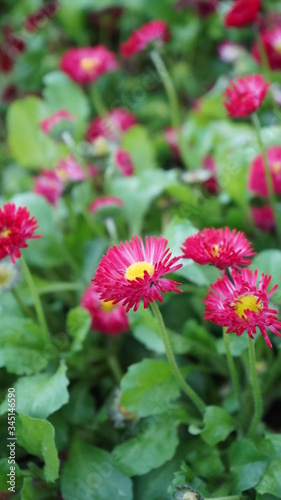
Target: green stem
(172, 98)
(37, 303)
(232, 367)
(111, 229)
(98, 103)
(268, 178)
(256, 389)
(115, 367)
(173, 364)
(20, 303)
(112, 349)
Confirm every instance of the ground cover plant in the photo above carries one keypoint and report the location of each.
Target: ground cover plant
(140, 262)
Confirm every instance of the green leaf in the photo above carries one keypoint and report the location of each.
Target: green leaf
(176, 232)
(62, 93)
(148, 387)
(22, 346)
(78, 323)
(247, 463)
(90, 474)
(5, 469)
(204, 460)
(40, 395)
(80, 408)
(47, 251)
(269, 262)
(139, 192)
(136, 141)
(271, 481)
(38, 438)
(154, 445)
(29, 146)
(218, 424)
(35, 489)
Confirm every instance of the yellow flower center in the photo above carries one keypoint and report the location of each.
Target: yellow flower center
(247, 302)
(107, 306)
(5, 233)
(61, 173)
(137, 270)
(276, 167)
(89, 63)
(215, 250)
(5, 276)
(101, 146)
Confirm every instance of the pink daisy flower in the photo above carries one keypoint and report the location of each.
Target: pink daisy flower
(69, 170)
(263, 217)
(245, 95)
(107, 318)
(242, 13)
(118, 119)
(271, 40)
(241, 305)
(49, 185)
(53, 120)
(86, 64)
(105, 202)
(16, 226)
(134, 271)
(141, 38)
(257, 179)
(219, 247)
(124, 162)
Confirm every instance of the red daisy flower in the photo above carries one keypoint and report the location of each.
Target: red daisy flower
(241, 305)
(49, 185)
(133, 271)
(219, 247)
(271, 40)
(141, 38)
(257, 179)
(245, 95)
(53, 120)
(85, 65)
(16, 226)
(263, 217)
(242, 13)
(106, 317)
(124, 162)
(118, 119)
